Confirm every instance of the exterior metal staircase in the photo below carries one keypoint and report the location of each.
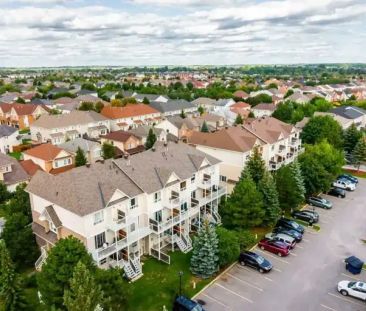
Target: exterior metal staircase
(184, 243)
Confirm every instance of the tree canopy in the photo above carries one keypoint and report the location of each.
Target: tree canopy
(80, 158)
(108, 151)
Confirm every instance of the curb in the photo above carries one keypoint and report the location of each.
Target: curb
(218, 276)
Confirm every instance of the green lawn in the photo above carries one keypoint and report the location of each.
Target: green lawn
(15, 155)
(160, 283)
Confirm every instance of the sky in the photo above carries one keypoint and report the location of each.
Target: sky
(181, 32)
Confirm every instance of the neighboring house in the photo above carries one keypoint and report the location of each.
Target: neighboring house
(142, 131)
(21, 116)
(241, 108)
(241, 94)
(50, 158)
(263, 110)
(124, 141)
(59, 128)
(278, 143)
(30, 167)
(11, 172)
(355, 114)
(174, 107)
(124, 209)
(206, 103)
(130, 116)
(92, 149)
(223, 104)
(8, 138)
(84, 92)
(150, 97)
(299, 98)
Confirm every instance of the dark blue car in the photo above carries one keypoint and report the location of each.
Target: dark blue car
(255, 261)
(182, 303)
(290, 224)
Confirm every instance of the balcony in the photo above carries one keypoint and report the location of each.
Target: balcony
(205, 183)
(160, 226)
(117, 224)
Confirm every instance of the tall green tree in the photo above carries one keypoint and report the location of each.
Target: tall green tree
(204, 127)
(11, 291)
(145, 101)
(4, 193)
(20, 203)
(323, 127)
(229, 248)
(80, 159)
(351, 137)
(84, 293)
(244, 207)
(238, 119)
(108, 151)
(205, 259)
(58, 270)
(183, 114)
(255, 166)
(320, 165)
(201, 110)
(19, 238)
(272, 210)
(150, 139)
(359, 153)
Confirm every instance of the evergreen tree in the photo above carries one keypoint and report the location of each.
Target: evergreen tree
(201, 110)
(205, 259)
(298, 180)
(80, 158)
(229, 247)
(150, 139)
(204, 127)
(359, 153)
(146, 101)
(255, 166)
(182, 114)
(244, 208)
(108, 151)
(351, 137)
(4, 193)
(58, 270)
(272, 210)
(11, 292)
(84, 293)
(238, 119)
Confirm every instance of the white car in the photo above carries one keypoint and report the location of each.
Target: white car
(290, 241)
(354, 289)
(344, 184)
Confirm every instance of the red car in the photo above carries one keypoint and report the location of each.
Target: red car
(276, 247)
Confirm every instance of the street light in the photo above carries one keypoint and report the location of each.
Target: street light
(180, 282)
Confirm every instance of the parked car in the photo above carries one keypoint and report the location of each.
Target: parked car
(337, 192)
(320, 202)
(344, 184)
(290, 232)
(182, 303)
(276, 247)
(349, 177)
(354, 289)
(306, 215)
(255, 261)
(290, 224)
(290, 241)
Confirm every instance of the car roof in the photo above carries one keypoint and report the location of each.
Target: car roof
(184, 301)
(285, 236)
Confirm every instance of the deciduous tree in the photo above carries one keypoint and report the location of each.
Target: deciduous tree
(229, 247)
(359, 153)
(108, 151)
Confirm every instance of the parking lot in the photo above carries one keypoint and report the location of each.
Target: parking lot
(306, 279)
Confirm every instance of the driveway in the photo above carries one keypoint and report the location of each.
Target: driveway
(307, 278)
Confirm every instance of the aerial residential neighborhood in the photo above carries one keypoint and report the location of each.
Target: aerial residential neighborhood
(183, 156)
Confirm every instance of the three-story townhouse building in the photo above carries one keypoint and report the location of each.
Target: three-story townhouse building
(121, 209)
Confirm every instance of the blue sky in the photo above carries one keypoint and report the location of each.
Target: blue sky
(181, 32)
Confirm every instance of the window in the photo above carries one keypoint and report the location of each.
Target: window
(193, 194)
(183, 186)
(222, 178)
(103, 261)
(99, 240)
(193, 178)
(157, 197)
(98, 217)
(133, 203)
(133, 227)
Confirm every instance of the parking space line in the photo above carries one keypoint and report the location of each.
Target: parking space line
(293, 254)
(275, 257)
(298, 246)
(245, 282)
(346, 299)
(268, 279)
(278, 270)
(305, 240)
(234, 293)
(217, 301)
(352, 277)
(326, 307)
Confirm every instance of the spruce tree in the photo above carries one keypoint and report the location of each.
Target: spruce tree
(182, 114)
(80, 158)
(351, 137)
(11, 292)
(298, 180)
(108, 151)
(256, 166)
(84, 293)
(359, 153)
(145, 101)
(244, 208)
(205, 259)
(150, 139)
(238, 119)
(201, 110)
(204, 127)
(272, 210)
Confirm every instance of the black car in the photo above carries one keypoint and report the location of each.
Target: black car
(305, 215)
(255, 261)
(182, 303)
(337, 192)
(290, 232)
(290, 224)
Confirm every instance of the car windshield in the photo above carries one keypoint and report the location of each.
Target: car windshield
(260, 260)
(350, 284)
(197, 308)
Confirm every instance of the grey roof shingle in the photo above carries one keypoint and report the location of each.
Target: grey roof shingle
(84, 144)
(349, 112)
(6, 130)
(172, 105)
(17, 175)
